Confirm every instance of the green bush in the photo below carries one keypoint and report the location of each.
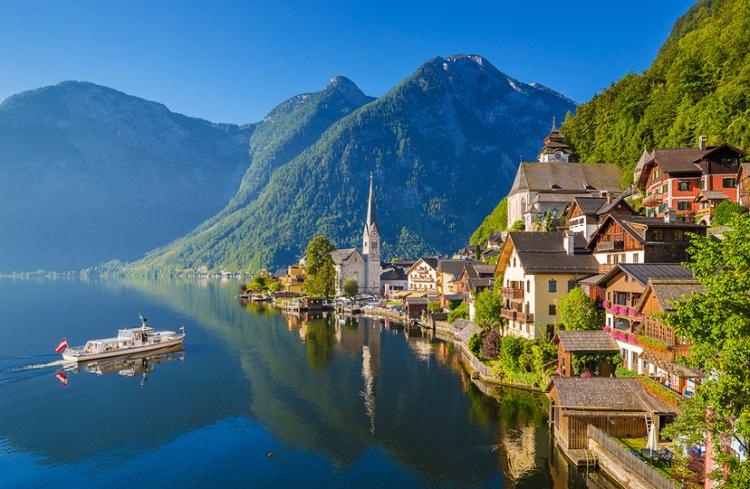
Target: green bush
(434, 307)
(460, 312)
(475, 343)
(491, 344)
(579, 313)
(726, 211)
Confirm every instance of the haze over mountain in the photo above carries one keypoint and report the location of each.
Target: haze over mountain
(443, 146)
(88, 173)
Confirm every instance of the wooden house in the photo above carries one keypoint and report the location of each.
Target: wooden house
(618, 406)
(586, 213)
(638, 239)
(573, 343)
(416, 306)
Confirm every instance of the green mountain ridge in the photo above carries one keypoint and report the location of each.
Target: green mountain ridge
(699, 84)
(425, 140)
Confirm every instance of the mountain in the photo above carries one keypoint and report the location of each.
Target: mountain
(443, 146)
(698, 84)
(88, 173)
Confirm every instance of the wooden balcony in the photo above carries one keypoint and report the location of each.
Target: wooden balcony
(653, 200)
(512, 293)
(522, 317)
(610, 246)
(508, 314)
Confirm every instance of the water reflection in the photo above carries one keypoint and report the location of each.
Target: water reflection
(141, 365)
(341, 402)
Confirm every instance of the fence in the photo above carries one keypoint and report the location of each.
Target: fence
(623, 456)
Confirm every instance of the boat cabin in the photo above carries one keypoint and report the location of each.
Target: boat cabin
(134, 334)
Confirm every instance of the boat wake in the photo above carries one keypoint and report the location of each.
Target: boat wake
(14, 369)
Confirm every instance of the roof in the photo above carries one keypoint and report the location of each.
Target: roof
(343, 255)
(416, 300)
(682, 160)
(495, 237)
(590, 205)
(454, 267)
(710, 195)
(667, 292)
(567, 177)
(396, 273)
(453, 297)
(636, 226)
(643, 272)
(614, 202)
(587, 341)
(431, 261)
(607, 394)
(480, 282)
(592, 280)
(544, 252)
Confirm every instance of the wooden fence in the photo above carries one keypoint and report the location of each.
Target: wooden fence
(623, 456)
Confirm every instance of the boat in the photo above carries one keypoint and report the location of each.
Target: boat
(128, 341)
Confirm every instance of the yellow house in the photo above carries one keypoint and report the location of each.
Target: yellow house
(293, 280)
(535, 270)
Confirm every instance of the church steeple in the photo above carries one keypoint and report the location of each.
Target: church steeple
(371, 216)
(555, 148)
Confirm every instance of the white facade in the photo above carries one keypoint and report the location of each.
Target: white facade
(422, 277)
(371, 247)
(615, 257)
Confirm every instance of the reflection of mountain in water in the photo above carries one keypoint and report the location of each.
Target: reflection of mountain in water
(308, 387)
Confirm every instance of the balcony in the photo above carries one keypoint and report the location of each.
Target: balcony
(508, 314)
(653, 200)
(512, 293)
(610, 246)
(522, 317)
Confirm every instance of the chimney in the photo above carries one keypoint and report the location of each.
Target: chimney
(670, 216)
(702, 141)
(569, 240)
(609, 198)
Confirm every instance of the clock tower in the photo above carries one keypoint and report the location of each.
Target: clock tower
(555, 149)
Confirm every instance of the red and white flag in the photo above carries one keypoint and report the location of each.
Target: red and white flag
(62, 378)
(63, 345)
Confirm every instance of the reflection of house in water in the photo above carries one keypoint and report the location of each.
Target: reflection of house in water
(518, 452)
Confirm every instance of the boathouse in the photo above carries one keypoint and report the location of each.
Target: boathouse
(621, 407)
(596, 346)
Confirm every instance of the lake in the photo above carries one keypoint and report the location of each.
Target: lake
(256, 399)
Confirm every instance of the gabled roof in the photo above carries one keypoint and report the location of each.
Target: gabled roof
(395, 273)
(606, 394)
(589, 205)
(704, 195)
(344, 255)
(683, 160)
(615, 202)
(430, 261)
(567, 177)
(543, 252)
(454, 267)
(668, 292)
(643, 272)
(636, 226)
(586, 341)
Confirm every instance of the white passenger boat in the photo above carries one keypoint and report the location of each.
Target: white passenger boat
(129, 340)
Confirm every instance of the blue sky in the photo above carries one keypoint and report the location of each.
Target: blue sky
(234, 61)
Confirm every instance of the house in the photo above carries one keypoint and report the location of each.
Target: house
(468, 252)
(743, 185)
(638, 239)
(423, 275)
(448, 272)
(586, 213)
(474, 279)
(495, 241)
(705, 204)
(574, 343)
(621, 407)
(416, 306)
(624, 285)
(549, 185)
(363, 267)
(660, 345)
(293, 280)
(535, 270)
(393, 279)
(672, 178)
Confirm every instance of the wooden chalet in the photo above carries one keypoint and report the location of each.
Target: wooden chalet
(638, 239)
(572, 343)
(663, 347)
(586, 213)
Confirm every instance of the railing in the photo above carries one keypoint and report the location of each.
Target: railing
(610, 246)
(508, 314)
(654, 329)
(653, 200)
(525, 317)
(623, 456)
(512, 293)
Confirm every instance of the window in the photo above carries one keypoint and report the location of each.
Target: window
(683, 186)
(662, 208)
(701, 184)
(571, 285)
(665, 188)
(552, 286)
(528, 286)
(635, 257)
(728, 182)
(552, 310)
(683, 205)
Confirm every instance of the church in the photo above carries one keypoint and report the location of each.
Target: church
(363, 267)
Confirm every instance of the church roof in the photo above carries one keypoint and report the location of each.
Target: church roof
(580, 178)
(344, 255)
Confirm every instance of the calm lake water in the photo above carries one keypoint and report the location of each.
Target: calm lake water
(359, 404)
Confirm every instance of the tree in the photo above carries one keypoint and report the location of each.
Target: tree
(320, 275)
(518, 226)
(459, 312)
(726, 211)
(434, 307)
(487, 309)
(717, 323)
(496, 221)
(579, 313)
(351, 287)
(490, 348)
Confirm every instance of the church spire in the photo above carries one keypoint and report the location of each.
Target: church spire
(371, 217)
